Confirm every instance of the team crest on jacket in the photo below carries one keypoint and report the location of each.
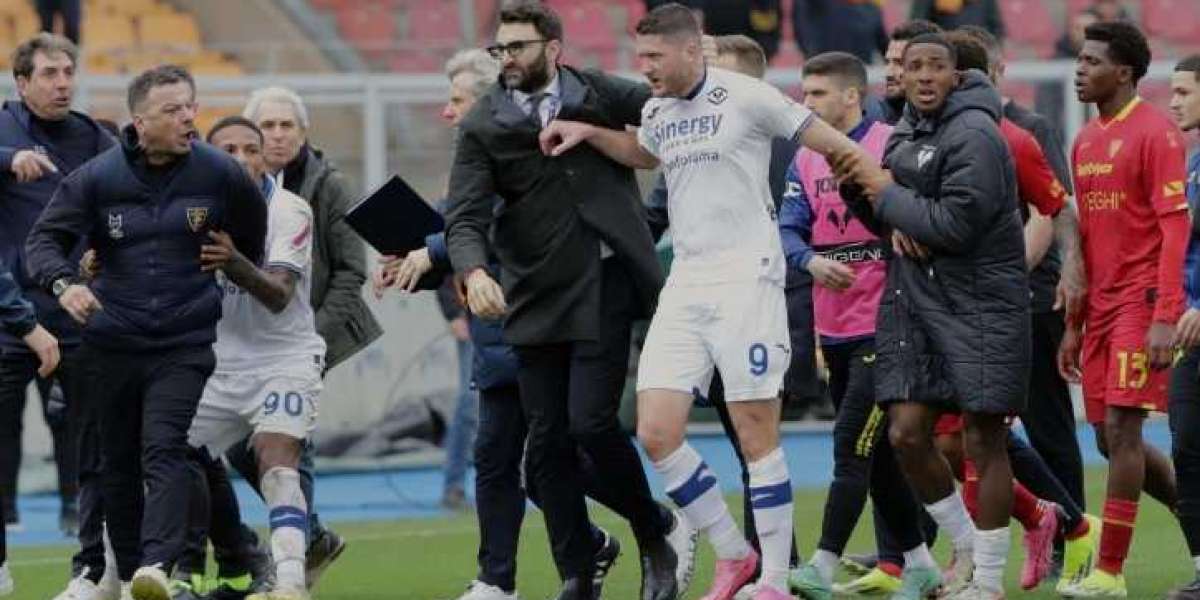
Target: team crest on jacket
(924, 155)
(115, 229)
(196, 217)
(718, 95)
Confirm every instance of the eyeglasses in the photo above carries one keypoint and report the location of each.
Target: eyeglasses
(512, 48)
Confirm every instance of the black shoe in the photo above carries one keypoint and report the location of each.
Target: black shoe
(577, 588)
(604, 560)
(1190, 591)
(659, 563)
(325, 548)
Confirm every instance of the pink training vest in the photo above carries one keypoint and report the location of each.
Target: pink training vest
(837, 235)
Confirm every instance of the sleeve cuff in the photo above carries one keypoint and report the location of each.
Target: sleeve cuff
(6, 158)
(22, 327)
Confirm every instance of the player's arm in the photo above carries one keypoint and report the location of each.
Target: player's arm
(57, 231)
(273, 285)
(1164, 160)
(1039, 234)
(1040, 188)
(795, 222)
(657, 216)
(621, 146)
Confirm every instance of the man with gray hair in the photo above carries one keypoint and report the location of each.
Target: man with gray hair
(339, 270)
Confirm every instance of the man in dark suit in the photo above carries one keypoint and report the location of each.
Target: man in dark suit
(577, 267)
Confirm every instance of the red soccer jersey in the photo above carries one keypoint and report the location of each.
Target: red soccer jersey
(1129, 174)
(1036, 183)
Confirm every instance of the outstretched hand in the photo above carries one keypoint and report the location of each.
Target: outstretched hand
(559, 136)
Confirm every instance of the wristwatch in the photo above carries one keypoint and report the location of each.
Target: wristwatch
(61, 284)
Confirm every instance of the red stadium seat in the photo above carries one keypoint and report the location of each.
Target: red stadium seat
(1175, 20)
(1156, 92)
(414, 61)
(369, 27)
(590, 36)
(1030, 21)
(434, 22)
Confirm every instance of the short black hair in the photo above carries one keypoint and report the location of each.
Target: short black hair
(46, 43)
(1190, 64)
(911, 29)
(936, 39)
(234, 121)
(669, 19)
(154, 77)
(843, 65)
(1127, 45)
(985, 38)
(968, 52)
(543, 18)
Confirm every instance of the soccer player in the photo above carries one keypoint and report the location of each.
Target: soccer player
(269, 357)
(18, 318)
(1184, 404)
(1129, 179)
(948, 201)
(846, 261)
(723, 304)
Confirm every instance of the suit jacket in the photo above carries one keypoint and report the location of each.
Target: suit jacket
(556, 211)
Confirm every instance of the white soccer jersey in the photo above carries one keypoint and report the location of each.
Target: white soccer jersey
(715, 150)
(249, 336)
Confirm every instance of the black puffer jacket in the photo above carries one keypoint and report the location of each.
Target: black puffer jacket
(953, 329)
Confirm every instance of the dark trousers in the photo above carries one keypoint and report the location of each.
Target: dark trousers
(146, 403)
(863, 458)
(1184, 413)
(1049, 418)
(716, 395)
(570, 393)
(215, 515)
(801, 385)
(70, 14)
(499, 498)
(84, 422)
(16, 373)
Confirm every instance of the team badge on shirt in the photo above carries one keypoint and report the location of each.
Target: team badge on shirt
(196, 217)
(718, 95)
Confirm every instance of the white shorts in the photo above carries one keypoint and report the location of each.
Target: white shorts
(235, 405)
(739, 328)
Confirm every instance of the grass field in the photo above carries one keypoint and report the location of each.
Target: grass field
(434, 559)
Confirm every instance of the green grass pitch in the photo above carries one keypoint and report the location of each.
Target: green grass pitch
(434, 559)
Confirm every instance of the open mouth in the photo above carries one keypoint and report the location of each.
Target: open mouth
(926, 95)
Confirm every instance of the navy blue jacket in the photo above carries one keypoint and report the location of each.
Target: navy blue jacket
(20, 205)
(494, 363)
(16, 313)
(147, 226)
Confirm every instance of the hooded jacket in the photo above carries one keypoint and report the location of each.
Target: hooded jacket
(147, 225)
(953, 329)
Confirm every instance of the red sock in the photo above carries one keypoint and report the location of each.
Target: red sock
(890, 568)
(1117, 534)
(970, 488)
(1026, 507)
(1082, 529)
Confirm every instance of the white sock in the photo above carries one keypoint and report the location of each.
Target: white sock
(991, 551)
(826, 563)
(771, 501)
(693, 487)
(289, 525)
(951, 516)
(919, 557)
